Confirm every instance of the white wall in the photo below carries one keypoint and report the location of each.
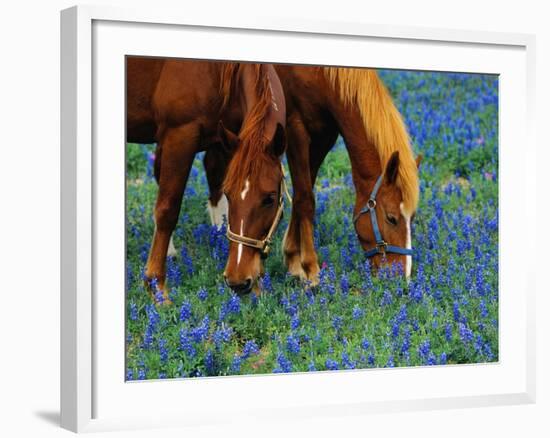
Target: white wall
(29, 235)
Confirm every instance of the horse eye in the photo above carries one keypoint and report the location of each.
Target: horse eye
(391, 219)
(268, 201)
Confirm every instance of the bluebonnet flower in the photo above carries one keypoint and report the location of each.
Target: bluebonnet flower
(406, 344)
(141, 374)
(236, 364)
(293, 344)
(294, 322)
(284, 364)
(357, 312)
(337, 322)
(387, 299)
(231, 306)
(331, 364)
(133, 311)
(186, 343)
(185, 311)
(153, 319)
(456, 312)
(129, 374)
(448, 332)
(370, 360)
(209, 362)
(267, 285)
(347, 362)
(129, 275)
(221, 335)
(186, 260)
(466, 335)
(327, 280)
(424, 348)
(202, 294)
(250, 348)
(344, 284)
(173, 272)
(483, 309)
(163, 350)
(200, 333)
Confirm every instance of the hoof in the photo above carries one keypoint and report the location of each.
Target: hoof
(311, 271)
(294, 266)
(157, 293)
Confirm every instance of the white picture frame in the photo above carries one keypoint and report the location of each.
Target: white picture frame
(88, 403)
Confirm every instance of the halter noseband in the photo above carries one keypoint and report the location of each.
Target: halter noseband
(264, 244)
(382, 247)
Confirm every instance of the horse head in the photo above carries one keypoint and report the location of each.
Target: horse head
(382, 224)
(254, 191)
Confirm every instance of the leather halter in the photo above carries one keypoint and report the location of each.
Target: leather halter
(264, 245)
(382, 247)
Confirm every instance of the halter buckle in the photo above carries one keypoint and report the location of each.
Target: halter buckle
(381, 247)
(265, 250)
(371, 204)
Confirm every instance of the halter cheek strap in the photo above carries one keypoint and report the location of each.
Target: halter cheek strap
(264, 245)
(382, 247)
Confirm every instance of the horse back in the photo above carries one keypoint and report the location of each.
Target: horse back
(167, 92)
(142, 75)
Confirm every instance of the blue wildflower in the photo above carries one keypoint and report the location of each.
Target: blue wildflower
(293, 344)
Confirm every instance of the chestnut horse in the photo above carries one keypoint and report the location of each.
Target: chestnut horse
(323, 102)
(184, 106)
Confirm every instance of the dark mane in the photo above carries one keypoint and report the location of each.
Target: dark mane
(251, 154)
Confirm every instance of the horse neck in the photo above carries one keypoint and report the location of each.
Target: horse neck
(261, 89)
(364, 158)
(247, 89)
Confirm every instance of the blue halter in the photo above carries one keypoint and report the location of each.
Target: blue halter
(382, 247)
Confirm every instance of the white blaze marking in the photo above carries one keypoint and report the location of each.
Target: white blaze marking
(240, 247)
(218, 212)
(408, 259)
(245, 190)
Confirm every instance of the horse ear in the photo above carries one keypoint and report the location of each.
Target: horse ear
(419, 159)
(278, 145)
(229, 140)
(392, 167)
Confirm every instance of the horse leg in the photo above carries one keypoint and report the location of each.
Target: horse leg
(178, 150)
(298, 245)
(157, 164)
(215, 164)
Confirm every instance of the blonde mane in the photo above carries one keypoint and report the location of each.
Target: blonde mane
(250, 156)
(383, 123)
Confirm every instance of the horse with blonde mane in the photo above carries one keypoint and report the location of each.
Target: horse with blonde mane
(185, 106)
(323, 102)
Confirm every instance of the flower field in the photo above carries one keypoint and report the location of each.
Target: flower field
(446, 314)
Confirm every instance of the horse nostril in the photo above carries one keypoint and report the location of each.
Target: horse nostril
(240, 288)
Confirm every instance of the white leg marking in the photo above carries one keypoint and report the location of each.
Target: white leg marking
(408, 262)
(218, 212)
(240, 247)
(245, 190)
(171, 248)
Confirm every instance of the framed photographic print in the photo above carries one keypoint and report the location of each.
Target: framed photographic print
(319, 217)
